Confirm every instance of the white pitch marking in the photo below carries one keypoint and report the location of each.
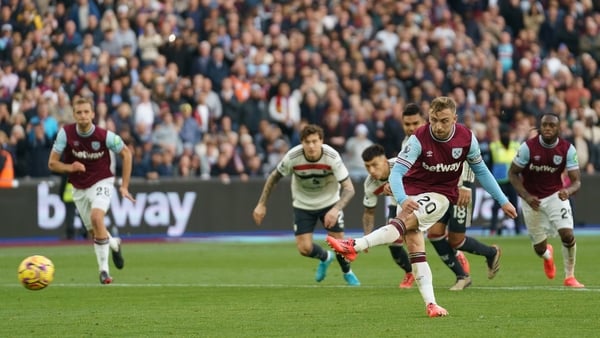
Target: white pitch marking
(305, 286)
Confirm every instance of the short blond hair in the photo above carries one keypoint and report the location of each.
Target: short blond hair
(442, 102)
(82, 100)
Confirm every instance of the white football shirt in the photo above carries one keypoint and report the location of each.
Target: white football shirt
(374, 188)
(315, 185)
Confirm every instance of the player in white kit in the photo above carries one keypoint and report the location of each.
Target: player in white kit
(317, 173)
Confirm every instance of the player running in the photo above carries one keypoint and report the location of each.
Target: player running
(85, 148)
(317, 173)
(536, 175)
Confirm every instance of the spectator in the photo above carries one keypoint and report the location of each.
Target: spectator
(18, 147)
(43, 117)
(201, 62)
(229, 164)
(159, 165)
(217, 68)
(6, 40)
(149, 42)
(353, 152)
(284, 109)
(230, 104)
(81, 10)
(7, 174)
(189, 131)
(311, 109)
(567, 35)
(437, 48)
(39, 147)
(93, 30)
(90, 44)
(585, 148)
(126, 37)
(110, 43)
(141, 161)
(184, 166)
(211, 99)
(533, 18)
(589, 42)
(239, 80)
(254, 110)
(72, 37)
(178, 51)
(5, 124)
(166, 135)
(144, 115)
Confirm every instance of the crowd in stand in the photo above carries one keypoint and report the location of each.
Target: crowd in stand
(221, 88)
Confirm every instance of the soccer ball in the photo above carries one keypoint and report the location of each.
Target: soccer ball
(36, 272)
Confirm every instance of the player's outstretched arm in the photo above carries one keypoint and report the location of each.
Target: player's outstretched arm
(126, 156)
(509, 210)
(261, 207)
(488, 182)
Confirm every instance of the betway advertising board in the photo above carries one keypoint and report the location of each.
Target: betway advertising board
(176, 208)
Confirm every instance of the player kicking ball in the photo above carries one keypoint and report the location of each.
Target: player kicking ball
(424, 182)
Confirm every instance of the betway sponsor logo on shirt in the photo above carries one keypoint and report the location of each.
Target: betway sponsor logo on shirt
(441, 167)
(542, 168)
(84, 155)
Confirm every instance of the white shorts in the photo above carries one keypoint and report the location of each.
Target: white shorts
(95, 197)
(553, 214)
(433, 207)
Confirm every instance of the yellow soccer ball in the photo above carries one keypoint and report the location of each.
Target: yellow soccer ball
(36, 272)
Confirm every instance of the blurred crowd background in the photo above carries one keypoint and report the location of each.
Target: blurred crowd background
(221, 88)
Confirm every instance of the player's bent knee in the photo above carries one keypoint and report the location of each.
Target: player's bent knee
(304, 251)
(435, 235)
(456, 239)
(568, 241)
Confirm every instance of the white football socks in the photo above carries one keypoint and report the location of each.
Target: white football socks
(385, 235)
(424, 280)
(569, 260)
(546, 255)
(102, 255)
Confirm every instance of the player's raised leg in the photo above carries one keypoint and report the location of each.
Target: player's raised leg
(349, 248)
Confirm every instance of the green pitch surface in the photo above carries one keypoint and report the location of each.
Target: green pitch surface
(267, 290)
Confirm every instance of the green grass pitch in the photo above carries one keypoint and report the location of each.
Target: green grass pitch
(235, 289)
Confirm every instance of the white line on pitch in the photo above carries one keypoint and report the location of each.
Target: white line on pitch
(281, 286)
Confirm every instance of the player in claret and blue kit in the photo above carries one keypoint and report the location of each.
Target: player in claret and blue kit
(424, 182)
(536, 174)
(84, 149)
